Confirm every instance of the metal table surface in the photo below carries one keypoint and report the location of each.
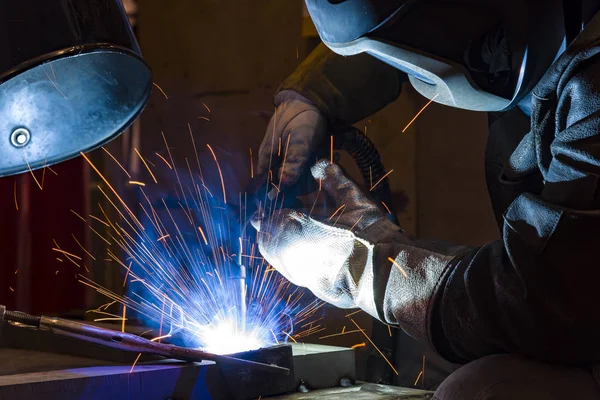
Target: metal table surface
(361, 391)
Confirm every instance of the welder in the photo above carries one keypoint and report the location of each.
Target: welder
(520, 313)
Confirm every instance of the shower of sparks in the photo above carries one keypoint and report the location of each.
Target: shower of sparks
(177, 256)
(419, 113)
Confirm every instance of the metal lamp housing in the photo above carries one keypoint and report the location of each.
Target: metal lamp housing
(71, 79)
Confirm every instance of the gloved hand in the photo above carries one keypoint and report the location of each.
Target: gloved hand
(358, 258)
(297, 118)
(312, 253)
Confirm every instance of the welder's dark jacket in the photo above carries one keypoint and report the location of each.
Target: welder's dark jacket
(536, 291)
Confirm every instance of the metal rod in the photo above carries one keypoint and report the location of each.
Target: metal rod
(126, 341)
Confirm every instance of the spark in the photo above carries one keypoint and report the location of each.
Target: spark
(53, 83)
(33, 175)
(344, 332)
(99, 220)
(196, 152)
(44, 173)
(419, 113)
(162, 91)
(251, 165)
(390, 330)
(116, 161)
(423, 371)
(356, 223)
(159, 338)
(67, 253)
(381, 180)
(11, 289)
(220, 173)
(279, 147)
(164, 160)
(356, 346)
(110, 319)
(353, 313)
(291, 337)
(146, 164)
(398, 265)
(137, 183)
(386, 207)
(15, 192)
(376, 348)
(207, 108)
(287, 146)
(127, 274)
(331, 150)
(78, 216)
(203, 235)
(204, 118)
(112, 189)
(418, 377)
(163, 237)
(337, 211)
(135, 362)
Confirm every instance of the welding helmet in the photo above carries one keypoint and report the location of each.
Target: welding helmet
(71, 79)
(481, 55)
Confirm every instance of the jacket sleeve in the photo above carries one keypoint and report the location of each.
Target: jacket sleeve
(347, 89)
(536, 291)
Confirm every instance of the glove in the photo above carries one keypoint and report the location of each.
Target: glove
(358, 258)
(310, 253)
(299, 120)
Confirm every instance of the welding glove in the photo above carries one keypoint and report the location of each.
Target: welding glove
(358, 258)
(295, 120)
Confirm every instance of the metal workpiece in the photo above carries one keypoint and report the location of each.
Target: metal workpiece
(71, 79)
(132, 343)
(45, 359)
(137, 344)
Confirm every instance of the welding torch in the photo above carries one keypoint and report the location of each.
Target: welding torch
(263, 193)
(125, 341)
